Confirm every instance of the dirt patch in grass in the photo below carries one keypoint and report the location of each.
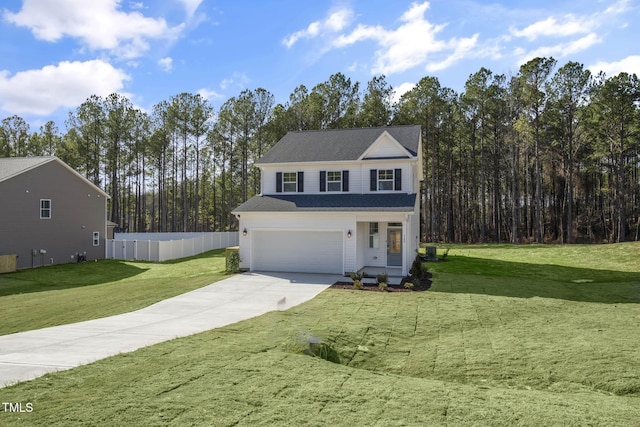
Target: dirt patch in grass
(423, 285)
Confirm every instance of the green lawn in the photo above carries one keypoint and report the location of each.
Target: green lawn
(68, 293)
(508, 335)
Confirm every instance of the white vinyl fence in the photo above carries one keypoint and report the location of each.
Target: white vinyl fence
(165, 246)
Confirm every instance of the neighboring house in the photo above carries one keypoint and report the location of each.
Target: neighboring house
(49, 213)
(335, 201)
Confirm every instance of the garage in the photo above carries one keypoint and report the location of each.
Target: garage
(297, 251)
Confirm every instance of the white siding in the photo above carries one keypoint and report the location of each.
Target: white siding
(359, 175)
(385, 146)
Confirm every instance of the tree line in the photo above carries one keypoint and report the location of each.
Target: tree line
(549, 154)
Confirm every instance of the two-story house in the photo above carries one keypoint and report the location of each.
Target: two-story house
(49, 213)
(335, 201)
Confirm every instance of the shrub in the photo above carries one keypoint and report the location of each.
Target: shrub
(382, 278)
(417, 268)
(233, 262)
(408, 284)
(383, 286)
(357, 279)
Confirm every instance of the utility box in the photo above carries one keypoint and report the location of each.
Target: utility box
(430, 253)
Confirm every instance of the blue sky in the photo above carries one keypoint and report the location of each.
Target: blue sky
(56, 53)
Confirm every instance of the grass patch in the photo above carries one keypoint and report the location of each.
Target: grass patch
(68, 293)
(471, 351)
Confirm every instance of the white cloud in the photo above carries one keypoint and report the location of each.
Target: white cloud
(568, 25)
(98, 24)
(190, 6)
(209, 94)
(67, 84)
(239, 80)
(401, 90)
(410, 44)
(335, 22)
(166, 63)
(630, 64)
(560, 50)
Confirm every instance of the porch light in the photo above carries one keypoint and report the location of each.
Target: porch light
(349, 234)
(244, 232)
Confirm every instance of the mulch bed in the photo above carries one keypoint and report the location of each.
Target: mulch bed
(424, 285)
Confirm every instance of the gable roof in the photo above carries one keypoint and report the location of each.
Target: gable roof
(337, 144)
(14, 166)
(329, 203)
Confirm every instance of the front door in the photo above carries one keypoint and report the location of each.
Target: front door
(394, 246)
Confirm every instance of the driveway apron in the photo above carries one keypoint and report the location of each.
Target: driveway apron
(28, 355)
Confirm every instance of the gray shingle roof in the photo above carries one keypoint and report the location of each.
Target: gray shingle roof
(338, 144)
(12, 166)
(330, 203)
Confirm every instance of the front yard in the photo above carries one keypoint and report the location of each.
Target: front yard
(68, 293)
(507, 335)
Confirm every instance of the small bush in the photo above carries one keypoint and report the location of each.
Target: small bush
(418, 269)
(408, 284)
(233, 262)
(357, 279)
(383, 286)
(382, 278)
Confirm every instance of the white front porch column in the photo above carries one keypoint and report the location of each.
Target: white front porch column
(405, 245)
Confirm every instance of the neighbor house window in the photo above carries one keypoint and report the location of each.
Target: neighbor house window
(385, 179)
(374, 235)
(334, 181)
(45, 208)
(96, 238)
(290, 182)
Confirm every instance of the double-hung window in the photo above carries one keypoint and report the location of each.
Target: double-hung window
(334, 181)
(45, 208)
(385, 179)
(289, 182)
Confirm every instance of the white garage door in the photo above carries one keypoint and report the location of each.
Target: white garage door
(297, 251)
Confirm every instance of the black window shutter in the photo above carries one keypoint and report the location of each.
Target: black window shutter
(323, 180)
(278, 182)
(374, 180)
(397, 177)
(345, 180)
(300, 182)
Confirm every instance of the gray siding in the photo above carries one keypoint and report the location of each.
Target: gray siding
(77, 211)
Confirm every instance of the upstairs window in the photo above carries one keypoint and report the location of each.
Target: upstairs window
(386, 180)
(45, 208)
(289, 182)
(334, 181)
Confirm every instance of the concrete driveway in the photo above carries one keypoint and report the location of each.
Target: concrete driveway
(28, 355)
